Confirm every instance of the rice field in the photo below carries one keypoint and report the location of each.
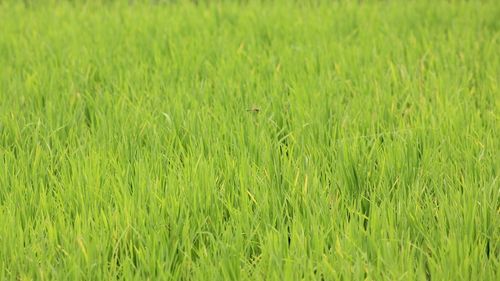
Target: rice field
(249, 140)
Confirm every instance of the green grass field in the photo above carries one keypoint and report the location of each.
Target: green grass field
(273, 140)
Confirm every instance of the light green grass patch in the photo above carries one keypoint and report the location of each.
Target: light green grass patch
(130, 147)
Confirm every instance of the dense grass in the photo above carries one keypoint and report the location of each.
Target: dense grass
(223, 141)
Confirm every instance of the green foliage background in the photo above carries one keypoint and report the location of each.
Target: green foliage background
(271, 140)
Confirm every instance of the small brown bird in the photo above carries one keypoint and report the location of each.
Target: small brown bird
(254, 109)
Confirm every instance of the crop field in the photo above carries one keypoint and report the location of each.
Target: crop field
(249, 140)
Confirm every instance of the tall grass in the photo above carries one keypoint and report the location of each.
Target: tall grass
(280, 140)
